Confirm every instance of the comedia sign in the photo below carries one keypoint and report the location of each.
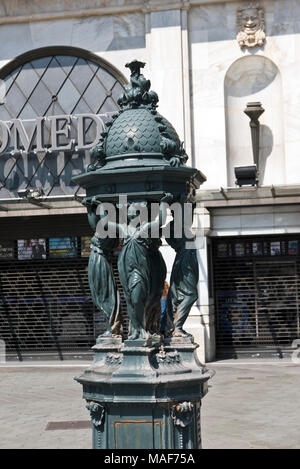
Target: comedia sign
(18, 138)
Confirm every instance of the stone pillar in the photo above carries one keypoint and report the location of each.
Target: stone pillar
(169, 67)
(201, 320)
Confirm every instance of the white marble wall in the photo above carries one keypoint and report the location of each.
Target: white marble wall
(201, 320)
(249, 79)
(158, 37)
(114, 37)
(165, 64)
(252, 221)
(214, 49)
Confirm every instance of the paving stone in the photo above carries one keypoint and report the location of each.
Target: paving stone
(249, 405)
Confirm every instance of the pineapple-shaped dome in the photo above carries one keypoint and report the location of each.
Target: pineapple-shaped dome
(138, 135)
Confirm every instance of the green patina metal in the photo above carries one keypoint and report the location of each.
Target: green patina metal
(146, 391)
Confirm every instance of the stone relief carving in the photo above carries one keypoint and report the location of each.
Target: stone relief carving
(168, 358)
(250, 25)
(97, 412)
(113, 359)
(182, 413)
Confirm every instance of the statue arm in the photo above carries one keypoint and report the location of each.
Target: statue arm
(107, 225)
(162, 215)
(93, 218)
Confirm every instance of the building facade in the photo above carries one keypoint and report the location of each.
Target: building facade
(62, 70)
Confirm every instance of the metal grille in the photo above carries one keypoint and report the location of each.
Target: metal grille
(45, 304)
(54, 84)
(256, 292)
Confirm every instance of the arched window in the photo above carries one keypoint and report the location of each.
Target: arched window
(52, 81)
(250, 79)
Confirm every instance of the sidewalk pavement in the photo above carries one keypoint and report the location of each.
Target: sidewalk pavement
(250, 404)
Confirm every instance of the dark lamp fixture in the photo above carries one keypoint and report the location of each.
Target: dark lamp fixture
(254, 111)
(246, 175)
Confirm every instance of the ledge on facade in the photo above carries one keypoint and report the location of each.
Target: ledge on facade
(52, 205)
(262, 195)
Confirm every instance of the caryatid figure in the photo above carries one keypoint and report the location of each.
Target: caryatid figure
(183, 284)
(134, 263)
(102, 283)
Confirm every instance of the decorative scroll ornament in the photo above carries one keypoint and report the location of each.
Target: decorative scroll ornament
(168, 358)
(97, 412)
(98, 152)
(113, 359)
(250, 25)
(182, 413)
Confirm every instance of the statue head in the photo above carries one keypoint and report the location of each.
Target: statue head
(137, 209)
(250, 20)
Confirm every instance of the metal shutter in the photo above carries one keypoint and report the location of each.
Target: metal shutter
(256, 293)
(45, 304)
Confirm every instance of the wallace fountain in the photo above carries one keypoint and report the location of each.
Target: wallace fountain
(146, 391)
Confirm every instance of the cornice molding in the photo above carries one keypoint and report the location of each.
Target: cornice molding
(146, 6)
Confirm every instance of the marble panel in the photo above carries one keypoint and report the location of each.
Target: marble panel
(199, 52)
(49, 33)
(221, 54)
(286, 11)
(211, 160)
(208, 17)
(165, 64)
(257, 220)
(280, 48)
(256, 210)
(95, 34)
(120, 57)
(292, 162)
(210, 127)
(132, 42)
(21, 43)
(165, 19)
(21, 7)
(129, 25)
(231, 222)
(287, 219)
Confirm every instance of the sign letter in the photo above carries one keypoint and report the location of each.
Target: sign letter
(82, 145)
(20, 135)
(4, 132)
(56, 132)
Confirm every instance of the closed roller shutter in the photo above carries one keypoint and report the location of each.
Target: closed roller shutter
(256, 293)
(45, 304)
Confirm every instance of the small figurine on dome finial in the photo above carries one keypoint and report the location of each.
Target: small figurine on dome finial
(137, 92)
(135, 66)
